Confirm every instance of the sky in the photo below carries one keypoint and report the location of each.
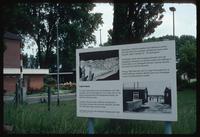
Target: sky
(185, 22)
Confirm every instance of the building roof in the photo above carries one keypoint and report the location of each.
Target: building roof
(61, 73)
(12, 36)
(25, 71)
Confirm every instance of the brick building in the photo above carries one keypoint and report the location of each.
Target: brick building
(33, 78)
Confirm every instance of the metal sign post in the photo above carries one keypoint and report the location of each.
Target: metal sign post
(49, 98)
(90, 125)
(58, 67)
(168, 127)
(17, 94)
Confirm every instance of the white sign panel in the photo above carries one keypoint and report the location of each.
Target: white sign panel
(132, 81)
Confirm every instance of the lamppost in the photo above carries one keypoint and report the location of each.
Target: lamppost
(58, 66)
(173, 10)
(168, 124)
(100, 38)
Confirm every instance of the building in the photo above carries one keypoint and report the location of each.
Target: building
(33, 78)
(69, 76)
(134, 94)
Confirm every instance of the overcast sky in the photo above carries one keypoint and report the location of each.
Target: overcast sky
(185, 22)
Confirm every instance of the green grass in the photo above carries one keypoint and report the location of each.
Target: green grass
(46, 94)
(35, 118)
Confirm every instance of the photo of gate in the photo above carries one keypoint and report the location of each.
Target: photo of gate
(138, 99)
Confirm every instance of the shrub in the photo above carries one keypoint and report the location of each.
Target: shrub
(53, 90)
(193, 85)
(44, 88)
(49, 81)
(182, 84)
(33, 90)
(185, 84)
(68, 86)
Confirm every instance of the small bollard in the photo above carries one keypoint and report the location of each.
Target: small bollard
(49, 98)
(90, 125)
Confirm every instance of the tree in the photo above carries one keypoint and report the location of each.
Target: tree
(187, 61)
(109, 42)
(182, 41)
(166, 37)
(25, 61)
(185, 54)
(75, 26)
(133, 21)
(29, 61)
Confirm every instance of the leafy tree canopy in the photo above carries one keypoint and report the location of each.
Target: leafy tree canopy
(134, 20)
(185, 53)
(75, 21)
(187, 60)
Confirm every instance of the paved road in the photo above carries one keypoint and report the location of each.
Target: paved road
(37, 99)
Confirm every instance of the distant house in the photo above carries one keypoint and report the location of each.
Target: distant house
(33, 78)
(65, 76)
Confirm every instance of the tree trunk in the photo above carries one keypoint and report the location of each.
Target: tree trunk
(46, 59)
(39, 52)
(119, 24)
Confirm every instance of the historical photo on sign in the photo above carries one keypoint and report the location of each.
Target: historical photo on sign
(101, 65)
(147, 97)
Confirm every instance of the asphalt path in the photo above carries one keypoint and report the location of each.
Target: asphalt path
(39, 99)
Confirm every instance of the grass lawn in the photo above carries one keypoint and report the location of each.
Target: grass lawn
(35, 118)
(46, 94)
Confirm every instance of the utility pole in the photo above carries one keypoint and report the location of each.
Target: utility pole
(58, 67)
(100, 38)
(21, 81)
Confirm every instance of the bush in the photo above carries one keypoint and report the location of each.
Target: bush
(44, 88)
(49, 81)
(193, 85)
(182, 84)
(185, 84)
(62, 87)
(53, 90)
(73, 90)
(33, 91)
(68, 86)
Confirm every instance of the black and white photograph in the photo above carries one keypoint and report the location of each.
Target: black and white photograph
(147, 97)
(97, 66)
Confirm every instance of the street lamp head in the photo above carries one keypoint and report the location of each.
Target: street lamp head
(172, 9)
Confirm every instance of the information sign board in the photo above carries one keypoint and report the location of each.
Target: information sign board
(131, 81)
